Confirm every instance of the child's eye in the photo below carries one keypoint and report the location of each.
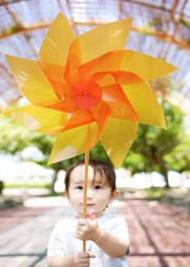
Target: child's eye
(79, 187)
(98, 187)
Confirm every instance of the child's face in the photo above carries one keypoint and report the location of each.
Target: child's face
(99, 193)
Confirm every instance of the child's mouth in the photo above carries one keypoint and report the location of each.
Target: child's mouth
(90, 205)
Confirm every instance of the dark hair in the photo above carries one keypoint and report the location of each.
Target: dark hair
(100, 166)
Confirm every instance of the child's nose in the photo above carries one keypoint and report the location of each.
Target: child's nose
(90, 193)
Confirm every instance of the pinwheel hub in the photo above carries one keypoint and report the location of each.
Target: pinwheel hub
(86, 95)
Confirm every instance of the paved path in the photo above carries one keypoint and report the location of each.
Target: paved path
(160, 234)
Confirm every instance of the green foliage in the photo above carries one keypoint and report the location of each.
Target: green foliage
(98, 152)
(13, 137)
(156, 193)
(43, 142)
(135, 162)
(6, 203)
(185, 22)
(154, 149)
(152, 144)
(27, 185)
(179, 158)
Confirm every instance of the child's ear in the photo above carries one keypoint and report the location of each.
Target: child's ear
(67, 195)
(114, 195)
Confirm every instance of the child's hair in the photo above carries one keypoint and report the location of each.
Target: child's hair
(100, 166)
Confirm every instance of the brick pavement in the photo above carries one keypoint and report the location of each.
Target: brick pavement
(160, 235)
(12, 216)
(24, 235)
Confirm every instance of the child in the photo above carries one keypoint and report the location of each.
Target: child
(107, 235)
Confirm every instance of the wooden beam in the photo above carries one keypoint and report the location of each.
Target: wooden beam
(160, 35)
(4, 3)
(140, 3)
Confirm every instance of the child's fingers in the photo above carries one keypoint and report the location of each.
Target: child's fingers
(82, 259)
(85, 255)
(82, 225)
(82, 222)
(91, 255)
(79, 236)
(81, 231)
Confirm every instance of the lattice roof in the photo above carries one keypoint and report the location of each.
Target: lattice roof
(161, 28)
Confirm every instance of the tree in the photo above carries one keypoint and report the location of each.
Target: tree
(150, 152)
(151, 146)
(179, 158)
(13, 137)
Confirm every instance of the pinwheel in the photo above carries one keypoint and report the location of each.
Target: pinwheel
(88, 88)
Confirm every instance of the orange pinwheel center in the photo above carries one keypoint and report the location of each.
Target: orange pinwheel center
(86, 95)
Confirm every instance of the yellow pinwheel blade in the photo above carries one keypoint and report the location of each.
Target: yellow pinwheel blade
(74, 142)
(55, 47)
(144, 102)
(31, 80)
(94, 89)
(36, 118)
(147, 67)
(117, 139)
(102, 39)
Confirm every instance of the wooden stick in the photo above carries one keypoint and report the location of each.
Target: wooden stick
(86, 162)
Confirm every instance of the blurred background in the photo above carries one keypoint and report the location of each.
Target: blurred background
(155, 175)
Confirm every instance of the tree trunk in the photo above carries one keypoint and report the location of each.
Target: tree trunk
(167, 180)
(54, 181)
(164, 172)
(1, 187)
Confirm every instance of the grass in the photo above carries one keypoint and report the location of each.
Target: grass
(156, 193)
(15, 201)
(10, 202)
(27, 185)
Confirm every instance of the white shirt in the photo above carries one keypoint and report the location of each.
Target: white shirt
(63, 242)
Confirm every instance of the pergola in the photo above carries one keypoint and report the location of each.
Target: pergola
(160, 28)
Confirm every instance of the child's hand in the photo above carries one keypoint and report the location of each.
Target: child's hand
(87, 229)
(82, 259)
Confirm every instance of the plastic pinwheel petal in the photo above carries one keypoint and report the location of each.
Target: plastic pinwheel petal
(116, 36)
(73, 142)
(56, 45)
(117, 139)
(149, 110)
(36, 118)
(32, 81)
(83, 92)
(145, 66)
(119, 103)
